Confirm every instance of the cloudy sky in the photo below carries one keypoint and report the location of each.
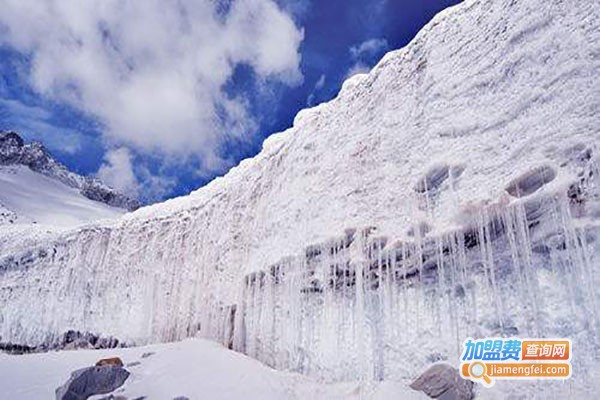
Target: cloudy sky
(159, 97)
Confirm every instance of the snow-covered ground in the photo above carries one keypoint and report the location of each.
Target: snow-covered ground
(28, 197)
(200, 369)
(194, 368)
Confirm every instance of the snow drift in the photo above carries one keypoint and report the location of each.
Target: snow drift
(451, 192)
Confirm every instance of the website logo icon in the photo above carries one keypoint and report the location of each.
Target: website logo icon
(485, 360)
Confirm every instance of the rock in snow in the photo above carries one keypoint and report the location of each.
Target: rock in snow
(443, 382)
(313, 256)
(113, 361)
(90, 381)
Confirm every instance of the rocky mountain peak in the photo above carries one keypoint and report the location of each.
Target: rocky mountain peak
(14, 151)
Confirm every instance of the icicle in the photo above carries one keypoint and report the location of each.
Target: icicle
(458, 277)
(441, 285)
(530, 273)
(359, 310)
(575, 247)
(589, 280)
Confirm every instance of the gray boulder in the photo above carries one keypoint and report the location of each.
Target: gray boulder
(443, 381)
(90, 381)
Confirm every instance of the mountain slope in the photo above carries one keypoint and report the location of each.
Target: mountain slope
(451, 192)
(14, 151)
(31, 197)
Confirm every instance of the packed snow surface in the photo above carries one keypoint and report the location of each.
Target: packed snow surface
(30, 197)
(451, 192)
(199, 370)
(194, 368)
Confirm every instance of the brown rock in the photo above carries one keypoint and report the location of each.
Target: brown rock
(113, 361)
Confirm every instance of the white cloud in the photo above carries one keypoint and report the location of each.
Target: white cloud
(155, 187)
(117, 172)
(297, 8)
(310, 101)
(36, 124)
(358, 68)
(153, 72)
(321, 82)
(363, 54)
(368, 48)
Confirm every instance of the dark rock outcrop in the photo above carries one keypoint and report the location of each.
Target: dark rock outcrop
(12, 348)
(70, 340)
(90, 381)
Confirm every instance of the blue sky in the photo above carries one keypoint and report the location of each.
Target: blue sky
(159, 98)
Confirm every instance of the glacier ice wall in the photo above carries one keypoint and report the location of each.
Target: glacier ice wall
(451, 191)
(359, 306)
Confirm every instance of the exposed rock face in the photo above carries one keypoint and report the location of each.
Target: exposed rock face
(442, 381)
(76, 339)
(70, 340)
(7, 215)
(10, 147)
(14, 150)
(87, 382)
(12, 348)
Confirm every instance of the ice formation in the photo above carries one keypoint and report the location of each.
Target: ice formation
(453, 191)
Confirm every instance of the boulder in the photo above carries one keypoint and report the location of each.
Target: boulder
(91, 381)
(114, 361)
(443, 381)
